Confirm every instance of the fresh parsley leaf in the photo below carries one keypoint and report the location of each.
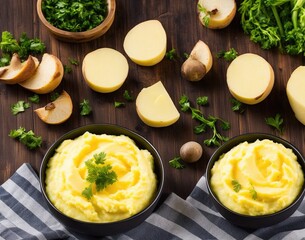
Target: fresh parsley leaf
(210, 122)
(127, 96)
(67, 69)
(276, 122)
(34, 98)
(200, 128)
(201, 101)
(100, 158)
(99, 173)
(184, 103)
(171, 54)
(24, 47)
(119, 104)
(206, 16)
(176, 163)
(253, 193)
(186, 55)
(237, 106)
(227, 55)
(73, 61)
(29, 139)
(87, 192)
(54, 96)
(236, 185)
(85, 108)
(19, 107)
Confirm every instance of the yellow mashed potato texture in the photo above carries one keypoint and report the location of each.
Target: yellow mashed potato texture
(257, 178)
(66, 178)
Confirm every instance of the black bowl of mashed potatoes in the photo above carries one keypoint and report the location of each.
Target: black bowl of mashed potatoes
(256, 180)
(101, 179)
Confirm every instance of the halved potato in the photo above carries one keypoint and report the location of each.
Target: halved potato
(217, 13)
(47, 76)
(145, 43)
(250, 78)
(155, 107)
(58, 111)
(18, 71)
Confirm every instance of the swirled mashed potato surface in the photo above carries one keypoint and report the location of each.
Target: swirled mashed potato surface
(66, 178)
(257, 178)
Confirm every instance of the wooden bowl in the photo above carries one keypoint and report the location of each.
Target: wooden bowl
(79, 37)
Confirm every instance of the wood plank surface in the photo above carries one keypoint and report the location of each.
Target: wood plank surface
(183, 29)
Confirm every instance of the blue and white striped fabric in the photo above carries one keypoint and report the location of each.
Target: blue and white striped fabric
(24, 215)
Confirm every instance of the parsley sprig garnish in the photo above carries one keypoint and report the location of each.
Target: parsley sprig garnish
(24, 46)
(34, 99)
(236, 185)
(28, 138)
(171, 54)
(209, 122)
(276, 122)
(176, 163)
(19, 107)
(237, 106)
(253, 193)
(227, 55)
(85, 108)
(99, 174)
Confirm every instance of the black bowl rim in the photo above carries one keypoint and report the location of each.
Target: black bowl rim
(83, 129)
(251, 137)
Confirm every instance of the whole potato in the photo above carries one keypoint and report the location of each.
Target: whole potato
(191, 151)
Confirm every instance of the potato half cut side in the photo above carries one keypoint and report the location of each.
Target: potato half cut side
(105, 70)
(250, 78)
(57, 111)
(216, 14)
(155, 107)
(145, 44)
(47, 77)
(296, 93)
(18, 71)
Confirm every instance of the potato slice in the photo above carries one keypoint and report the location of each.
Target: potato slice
(199, 63)
(47, 77)
(295, 92)
(18, 71)
(57, 111)
(155, 107)
(250, 78)
(216, 14)
(145, 43)
(105, 70)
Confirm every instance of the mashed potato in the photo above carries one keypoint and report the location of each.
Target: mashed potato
(257, 178)
(132, 192)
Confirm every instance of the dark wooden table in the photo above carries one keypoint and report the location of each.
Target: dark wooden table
(183, 29)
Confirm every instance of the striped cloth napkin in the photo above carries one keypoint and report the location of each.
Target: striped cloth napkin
(24, 215)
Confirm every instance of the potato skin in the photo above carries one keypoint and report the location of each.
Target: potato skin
(193, 70)
(191, 151)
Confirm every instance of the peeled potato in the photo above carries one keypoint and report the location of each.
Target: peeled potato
(250, 78)
(57, 111)
(216, 14)
(155, 107)
(295, 92)
(145, 44)
(105, 70)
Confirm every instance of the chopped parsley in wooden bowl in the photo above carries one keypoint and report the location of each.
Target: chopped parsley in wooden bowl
(76, 21)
